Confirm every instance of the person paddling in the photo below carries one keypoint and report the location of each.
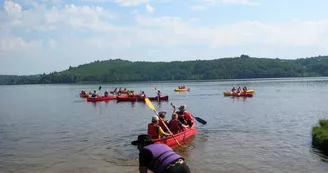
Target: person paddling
(184, 116)
(175, 125)
(155, 130)
(143, 95)
(94, 94)
(163, 121)
(106, 93)
(158, 158)
(238, 91)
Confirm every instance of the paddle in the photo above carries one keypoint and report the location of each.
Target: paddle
(200, 120)
(151, 106)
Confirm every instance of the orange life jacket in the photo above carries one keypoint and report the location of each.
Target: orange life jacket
(174, 126)
(153, 130)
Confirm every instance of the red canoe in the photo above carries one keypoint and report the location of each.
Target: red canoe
(140, 99)
(100, 98)
(127, 98)
(180, 137)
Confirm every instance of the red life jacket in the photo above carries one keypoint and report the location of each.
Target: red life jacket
(161, 123)
(174, 126)
(153, 130)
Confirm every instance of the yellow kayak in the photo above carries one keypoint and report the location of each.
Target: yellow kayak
(228, 93)
(181, 90)
(251, 91)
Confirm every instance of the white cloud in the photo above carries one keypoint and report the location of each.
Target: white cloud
(12, 8)
(80, 34)
(16, 44)
(149, 8)
(70, 16)
(131, 2)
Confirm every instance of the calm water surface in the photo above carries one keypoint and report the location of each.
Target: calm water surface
(49, 128)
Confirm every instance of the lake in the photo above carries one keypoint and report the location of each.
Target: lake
(50, 129)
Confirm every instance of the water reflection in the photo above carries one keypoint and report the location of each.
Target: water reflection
(322, 155)
(97, 107)
(237, 99)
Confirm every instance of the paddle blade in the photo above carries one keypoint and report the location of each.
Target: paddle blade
(150, 105)
(201, 120)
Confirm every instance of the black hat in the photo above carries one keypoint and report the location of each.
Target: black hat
(143, 139)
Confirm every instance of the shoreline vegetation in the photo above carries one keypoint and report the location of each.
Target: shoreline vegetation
(320, 136)
(118, 70)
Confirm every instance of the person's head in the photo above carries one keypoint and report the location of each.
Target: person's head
(174, 116)
(162, 114)
(143, 140)
(94, 91)
(182, 108)
(154, 119)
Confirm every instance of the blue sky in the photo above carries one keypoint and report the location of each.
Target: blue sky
(38, 36)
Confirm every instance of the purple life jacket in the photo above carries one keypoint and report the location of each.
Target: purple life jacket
(163, 155)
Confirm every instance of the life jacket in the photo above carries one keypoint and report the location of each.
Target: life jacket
(163, 156)
(153, 130)
(181, 117)
(174, 126)
(161, 123)
(185, 118)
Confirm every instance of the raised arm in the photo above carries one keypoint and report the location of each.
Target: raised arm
(174, 108)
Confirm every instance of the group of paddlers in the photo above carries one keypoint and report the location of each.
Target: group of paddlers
(94, 94)
(233, 90)
(122, 91)
(161, 158)
(106, 93)
(180, 120)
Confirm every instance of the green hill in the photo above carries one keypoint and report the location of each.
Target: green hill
(118, 70)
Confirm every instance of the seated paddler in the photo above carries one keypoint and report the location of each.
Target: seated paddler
(163, 121)
(155, 130)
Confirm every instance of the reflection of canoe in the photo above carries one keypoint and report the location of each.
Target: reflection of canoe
(180, 137)
(181, 90)
(228, 93)
(101, 98)
(138, 98)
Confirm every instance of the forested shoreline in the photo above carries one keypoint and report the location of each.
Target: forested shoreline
(118, 70)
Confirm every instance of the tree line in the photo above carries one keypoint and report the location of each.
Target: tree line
(118, 70)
